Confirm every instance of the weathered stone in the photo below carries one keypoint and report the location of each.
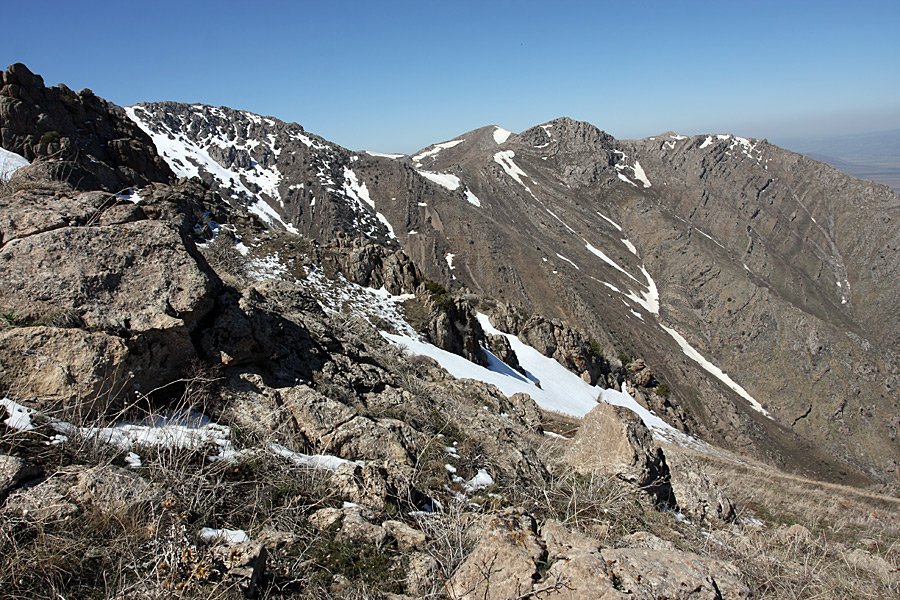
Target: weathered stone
(324, 518)
(504, 563)
(614, 441)
(357, 529)
(561, 542)
(582, 577)
(422, 575)
(113, 490)
(501, 348)
(696, 494)
(645, 539)
(244, 563)
(131, 277)
(13, 471)
(673, 575)
(407, 537)
(316, 416)
(74, 369)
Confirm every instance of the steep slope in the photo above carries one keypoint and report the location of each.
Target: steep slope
(749, 278)
(770, 266)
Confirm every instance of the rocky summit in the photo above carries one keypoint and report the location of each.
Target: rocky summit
(238, 360)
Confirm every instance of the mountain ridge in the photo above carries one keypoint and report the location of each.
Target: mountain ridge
(260, 368)
(426, 199)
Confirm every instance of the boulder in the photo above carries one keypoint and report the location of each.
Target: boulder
(133, 277)
(582, 577)
(501, 348)
(52, 367)
(356, 529)
(697, 494)
(613, 441)
(408, 538)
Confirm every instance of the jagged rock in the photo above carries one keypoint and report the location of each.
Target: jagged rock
(93, 141)
(453, 327)
(566, 345)
(501, 348)
(244, 563)
(264, 327)
(382, 439)
(638, 373)
(697, 495)
(371, 265)
(525, 409)
(13, 471)
(503, 564)
(673, 575)
(407, 537)
(373, 486)
(613, 440)
(316, 416)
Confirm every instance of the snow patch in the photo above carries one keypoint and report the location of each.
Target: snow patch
(228, 536)
(505, 160)
(610, 221)
(10, 162)
(568, 261)
(19, 415)
(435, 149)
(640, 175)
(600, 254)
(692, 353)
(501, 135)
(451, 182)
(383, 155)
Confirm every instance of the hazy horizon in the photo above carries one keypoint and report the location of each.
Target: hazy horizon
(396, 77)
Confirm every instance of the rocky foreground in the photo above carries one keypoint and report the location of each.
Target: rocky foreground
(196, 404)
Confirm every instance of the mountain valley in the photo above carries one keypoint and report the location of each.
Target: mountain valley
(252, 363)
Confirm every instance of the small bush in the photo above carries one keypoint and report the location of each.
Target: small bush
(625, 359)
(662, 390)
(50, 137)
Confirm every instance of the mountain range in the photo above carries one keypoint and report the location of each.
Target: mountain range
(488, 320)
(750, 279)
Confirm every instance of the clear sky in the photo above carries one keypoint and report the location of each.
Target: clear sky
(398, 76)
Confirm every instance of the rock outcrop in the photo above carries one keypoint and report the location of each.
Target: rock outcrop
(92, 143)
(517, 559)
(613, 441)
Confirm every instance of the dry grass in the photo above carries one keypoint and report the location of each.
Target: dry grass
(797, 538)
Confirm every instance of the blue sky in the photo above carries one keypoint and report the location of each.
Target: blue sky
(397, 76)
